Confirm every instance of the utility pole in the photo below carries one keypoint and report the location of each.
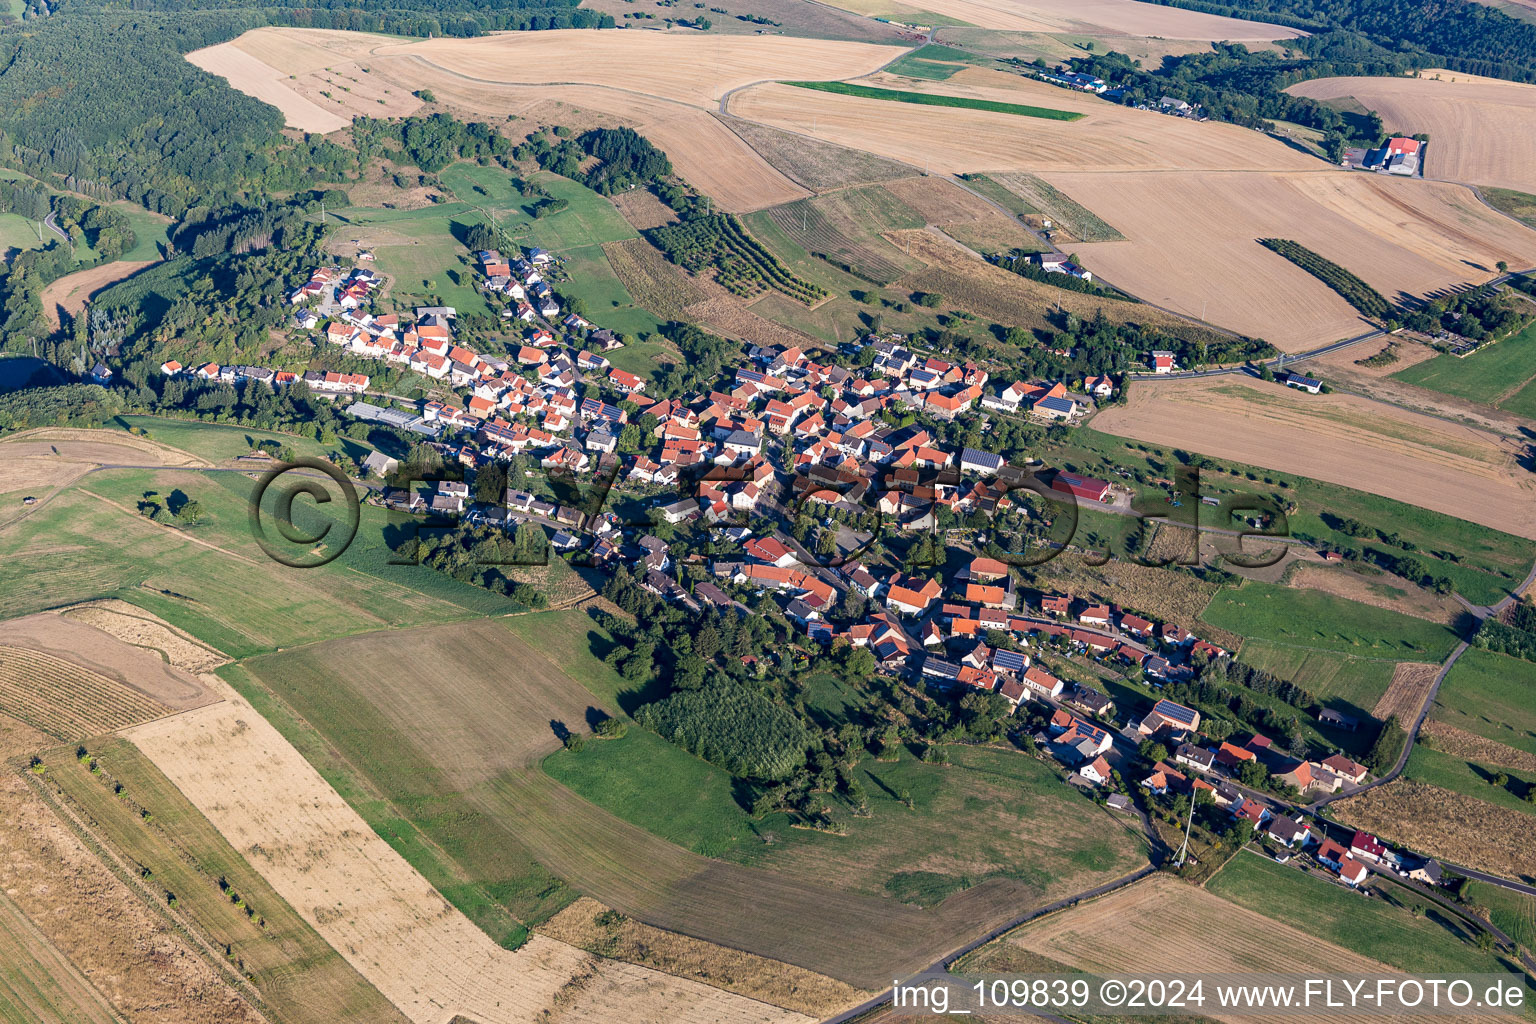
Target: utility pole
(1183, 854)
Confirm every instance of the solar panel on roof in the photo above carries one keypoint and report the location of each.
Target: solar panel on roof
(1013, 661)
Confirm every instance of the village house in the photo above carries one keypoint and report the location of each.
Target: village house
(1039, 681)
(1060, 263)
(1056, 604)
(1231, 757)
(1094, 615)
(1290, 832)
(1365, 846)
(1099, 387)
(1345, 769)
(1163, 778)
(1096, 771)
(1198, 758)
(1166, 714)
(1091, 701)
(912, 595)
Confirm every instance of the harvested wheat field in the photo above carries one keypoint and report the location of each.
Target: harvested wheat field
(643, 210)
(819, 166)
(1482, 131)
(39, 983)
(1339, 438)
(1349, 359)
(1411, 683)
(1005, 298)
(1163, 925)
(706, 153)
(1079, 16)
(479, 736)
(1460, 743)
(725, 313)
(1193, 244)
(141, 669)
(683, 67)
(257, 79)
(351, 91)
(961, 214)
(69, 293)
(1460, 828)
(126, 950)
(92, 447)
(672, 82)
(378, 912)
(670, 85)
(300, 51)
(951, 140)
(593, 927)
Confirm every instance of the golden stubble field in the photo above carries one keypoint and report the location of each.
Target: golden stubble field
(1411, 683)
(268, 84)
(1190, 197)
(386, 919)
(1192, 243)
(952, 140)
(663, 84)
(1342, 439)
(1163, 925)
(1078, 16)
(1482, 131)
(684, 67)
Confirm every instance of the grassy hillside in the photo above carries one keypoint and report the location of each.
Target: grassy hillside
(1494, 375)
(1311, 619)
(1430, 941)
(1489, 694)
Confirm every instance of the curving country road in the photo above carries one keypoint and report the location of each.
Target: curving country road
(1480, 613)
(51, 226)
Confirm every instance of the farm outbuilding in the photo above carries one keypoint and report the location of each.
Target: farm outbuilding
(1080, 486)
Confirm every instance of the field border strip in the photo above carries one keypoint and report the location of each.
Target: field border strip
(60, 803)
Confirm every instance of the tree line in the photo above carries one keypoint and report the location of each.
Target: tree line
(1408, 34)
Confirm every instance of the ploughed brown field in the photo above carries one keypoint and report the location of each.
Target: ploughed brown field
(1482, 131)
(1339, 438)
(142, 674)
